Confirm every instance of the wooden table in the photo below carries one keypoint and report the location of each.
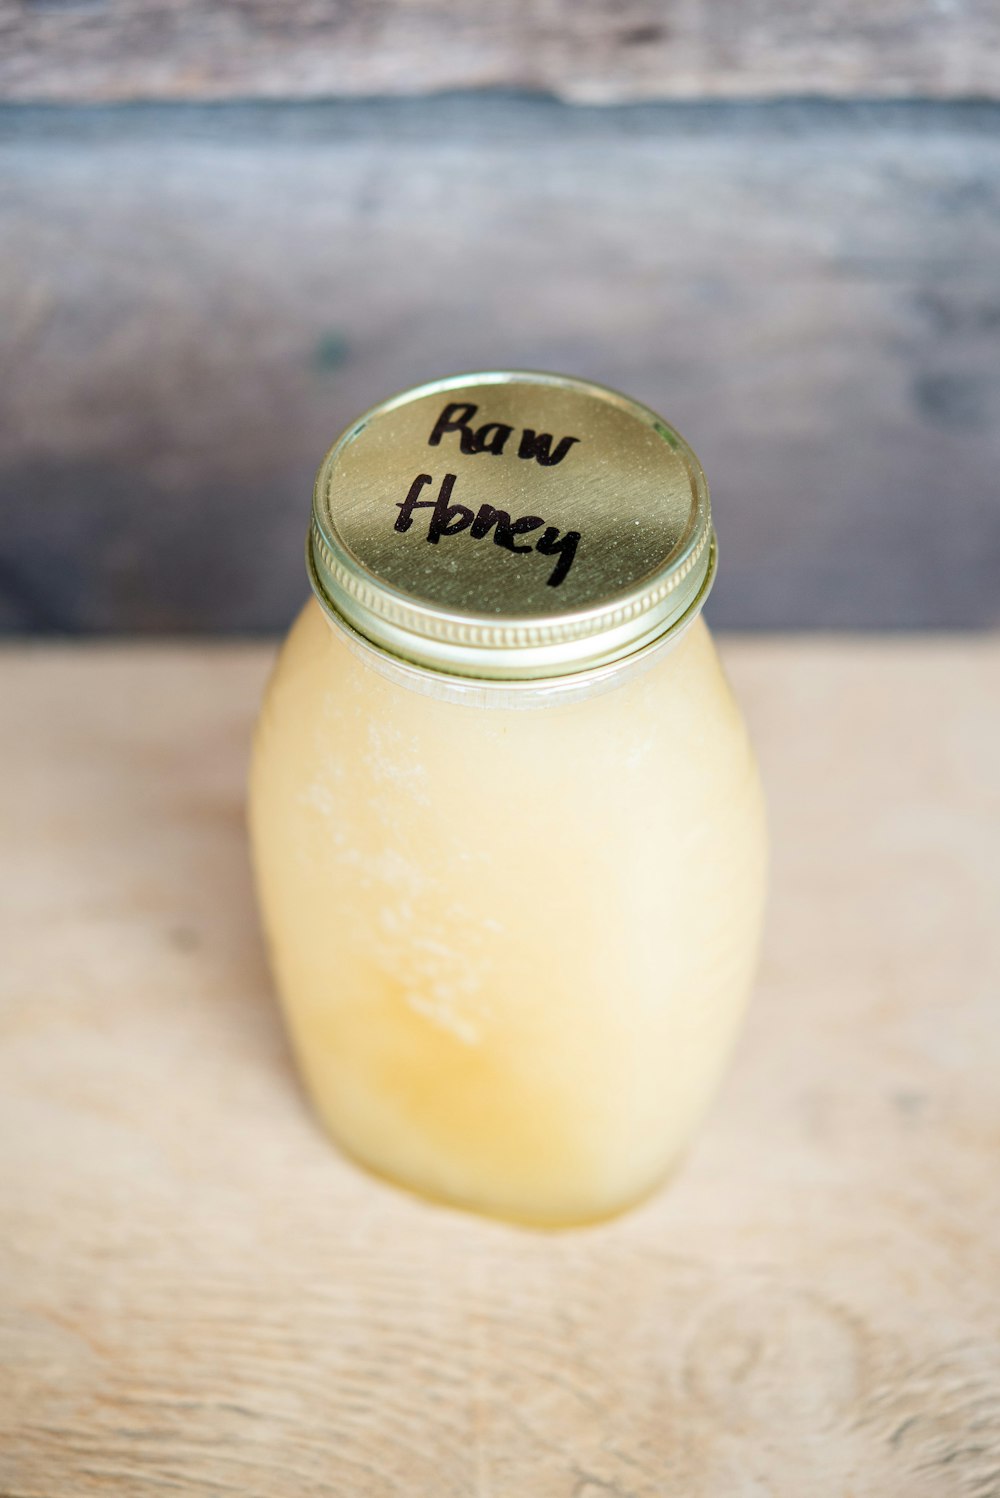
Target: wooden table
(200, 1296)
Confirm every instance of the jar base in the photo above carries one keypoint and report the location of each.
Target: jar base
(523, 1217)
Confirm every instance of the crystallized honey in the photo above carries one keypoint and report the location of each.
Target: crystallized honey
(508, 832)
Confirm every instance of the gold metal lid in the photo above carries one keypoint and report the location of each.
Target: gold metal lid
(511, 525)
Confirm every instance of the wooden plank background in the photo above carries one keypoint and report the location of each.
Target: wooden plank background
(592, 50)
(197, 297)
(198, 300)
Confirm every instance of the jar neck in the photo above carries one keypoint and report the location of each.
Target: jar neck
(479, 692)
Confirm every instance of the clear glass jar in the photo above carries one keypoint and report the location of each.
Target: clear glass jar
(513, 919)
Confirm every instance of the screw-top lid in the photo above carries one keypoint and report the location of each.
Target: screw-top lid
(511, 525)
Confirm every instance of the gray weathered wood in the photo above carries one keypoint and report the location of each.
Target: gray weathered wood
(195, 302)
(597, 50)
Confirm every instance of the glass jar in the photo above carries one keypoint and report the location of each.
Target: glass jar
(507, 827)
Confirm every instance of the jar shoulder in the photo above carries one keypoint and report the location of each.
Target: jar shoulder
(667, 737)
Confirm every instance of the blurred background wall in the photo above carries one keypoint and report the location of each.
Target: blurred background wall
(227, 228)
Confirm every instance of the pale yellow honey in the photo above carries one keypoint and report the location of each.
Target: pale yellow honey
(513, 944)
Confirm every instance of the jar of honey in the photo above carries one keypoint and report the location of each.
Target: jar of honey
(507, 827)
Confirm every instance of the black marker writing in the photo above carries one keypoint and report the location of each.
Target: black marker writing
(492, 436)
(537, 447)
(449, 519)
(506, 529)
(551, 544)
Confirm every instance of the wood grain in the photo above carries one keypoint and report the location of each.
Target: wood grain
(197, 1294)
(198, 301)
(594, 50)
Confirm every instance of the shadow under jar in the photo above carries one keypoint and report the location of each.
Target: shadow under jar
(507, 826)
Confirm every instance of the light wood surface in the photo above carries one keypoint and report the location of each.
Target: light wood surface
(594, 50)
(196, 303)
(200, 1296)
